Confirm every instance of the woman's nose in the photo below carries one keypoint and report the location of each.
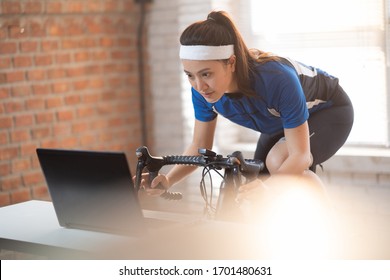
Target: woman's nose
(201, 86)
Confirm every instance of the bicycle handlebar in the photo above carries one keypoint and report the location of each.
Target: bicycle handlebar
(249, 168)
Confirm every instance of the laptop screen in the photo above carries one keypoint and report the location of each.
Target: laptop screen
(92, 190)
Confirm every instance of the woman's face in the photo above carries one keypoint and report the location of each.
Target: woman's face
(211, 78)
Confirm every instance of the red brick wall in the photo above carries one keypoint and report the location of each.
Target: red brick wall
(68, 79)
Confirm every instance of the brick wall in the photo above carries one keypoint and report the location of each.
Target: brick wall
(68, 79)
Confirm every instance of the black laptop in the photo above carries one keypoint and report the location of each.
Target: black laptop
(92, 190)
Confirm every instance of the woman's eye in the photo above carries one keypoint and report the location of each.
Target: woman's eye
(206, 75)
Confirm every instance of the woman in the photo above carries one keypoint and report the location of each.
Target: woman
(302, 113)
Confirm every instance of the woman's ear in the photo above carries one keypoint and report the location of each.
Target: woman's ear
(232, 61)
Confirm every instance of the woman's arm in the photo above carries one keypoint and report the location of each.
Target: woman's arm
(298, 157)
(291, 155)
(203, 137)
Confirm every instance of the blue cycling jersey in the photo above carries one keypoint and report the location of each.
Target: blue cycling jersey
(285, 92)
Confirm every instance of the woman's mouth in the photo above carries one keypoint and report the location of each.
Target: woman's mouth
(207, 94)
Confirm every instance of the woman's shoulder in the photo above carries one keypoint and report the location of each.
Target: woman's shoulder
(279, 64)
(272, 72)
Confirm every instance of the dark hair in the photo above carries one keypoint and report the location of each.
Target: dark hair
(217, 30)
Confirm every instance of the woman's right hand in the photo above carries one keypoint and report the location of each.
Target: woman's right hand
(158, 185)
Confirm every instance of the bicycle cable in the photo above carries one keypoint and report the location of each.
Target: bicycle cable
(209, 209)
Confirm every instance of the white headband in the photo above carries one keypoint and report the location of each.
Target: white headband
(200, 52)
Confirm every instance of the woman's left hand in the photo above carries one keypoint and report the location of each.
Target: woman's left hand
(253, 191)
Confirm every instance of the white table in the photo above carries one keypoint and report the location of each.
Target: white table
(32, 227)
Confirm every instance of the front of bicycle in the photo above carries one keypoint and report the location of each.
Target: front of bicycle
(236, 171)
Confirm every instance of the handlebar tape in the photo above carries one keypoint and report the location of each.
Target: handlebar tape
(185, 160)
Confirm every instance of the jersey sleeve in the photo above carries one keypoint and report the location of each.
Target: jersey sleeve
(203, 110)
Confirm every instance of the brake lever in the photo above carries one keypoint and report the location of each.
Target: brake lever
(153, 165)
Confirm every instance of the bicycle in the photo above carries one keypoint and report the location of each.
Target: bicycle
(237, 171)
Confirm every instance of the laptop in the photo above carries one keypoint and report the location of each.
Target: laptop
(93, 190)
